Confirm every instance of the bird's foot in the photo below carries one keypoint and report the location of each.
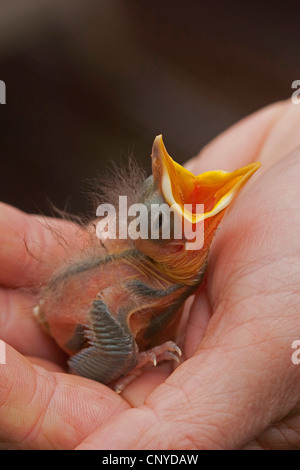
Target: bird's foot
(168, 351)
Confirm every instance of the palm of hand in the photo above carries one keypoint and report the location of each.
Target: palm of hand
(236, 383)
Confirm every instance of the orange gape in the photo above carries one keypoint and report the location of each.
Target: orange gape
(116, 304)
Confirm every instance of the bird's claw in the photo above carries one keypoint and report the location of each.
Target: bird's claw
(168, 351)
(164, 352)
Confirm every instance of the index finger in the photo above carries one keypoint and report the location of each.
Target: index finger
(30, 246)
(238, 145)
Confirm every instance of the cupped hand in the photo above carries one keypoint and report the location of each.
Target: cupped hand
(237, 387)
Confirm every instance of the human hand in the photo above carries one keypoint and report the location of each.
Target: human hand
(238, 386)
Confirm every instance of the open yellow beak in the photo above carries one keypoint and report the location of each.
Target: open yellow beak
(214, 189)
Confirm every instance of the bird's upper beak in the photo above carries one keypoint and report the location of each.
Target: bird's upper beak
(214, 189)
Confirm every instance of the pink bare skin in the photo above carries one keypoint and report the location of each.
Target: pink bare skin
(237, 386)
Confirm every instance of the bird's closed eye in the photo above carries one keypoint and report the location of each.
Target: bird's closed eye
(162, 226)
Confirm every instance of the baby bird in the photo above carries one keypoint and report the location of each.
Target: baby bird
(117, 304)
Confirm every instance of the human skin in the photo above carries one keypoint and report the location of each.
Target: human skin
(237, 386)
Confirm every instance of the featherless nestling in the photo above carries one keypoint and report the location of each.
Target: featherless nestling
(116, 305)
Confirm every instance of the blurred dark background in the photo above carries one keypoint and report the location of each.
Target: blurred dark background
(91, 81)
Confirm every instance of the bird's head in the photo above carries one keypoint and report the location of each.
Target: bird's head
(178, 240)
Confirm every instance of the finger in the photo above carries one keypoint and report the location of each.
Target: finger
(241, 143)
(200, 315)
(31, 246)
(19, 328)
(137, 391)
(283, 137)
(281, 436)
(43, 410)
(46, 364)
